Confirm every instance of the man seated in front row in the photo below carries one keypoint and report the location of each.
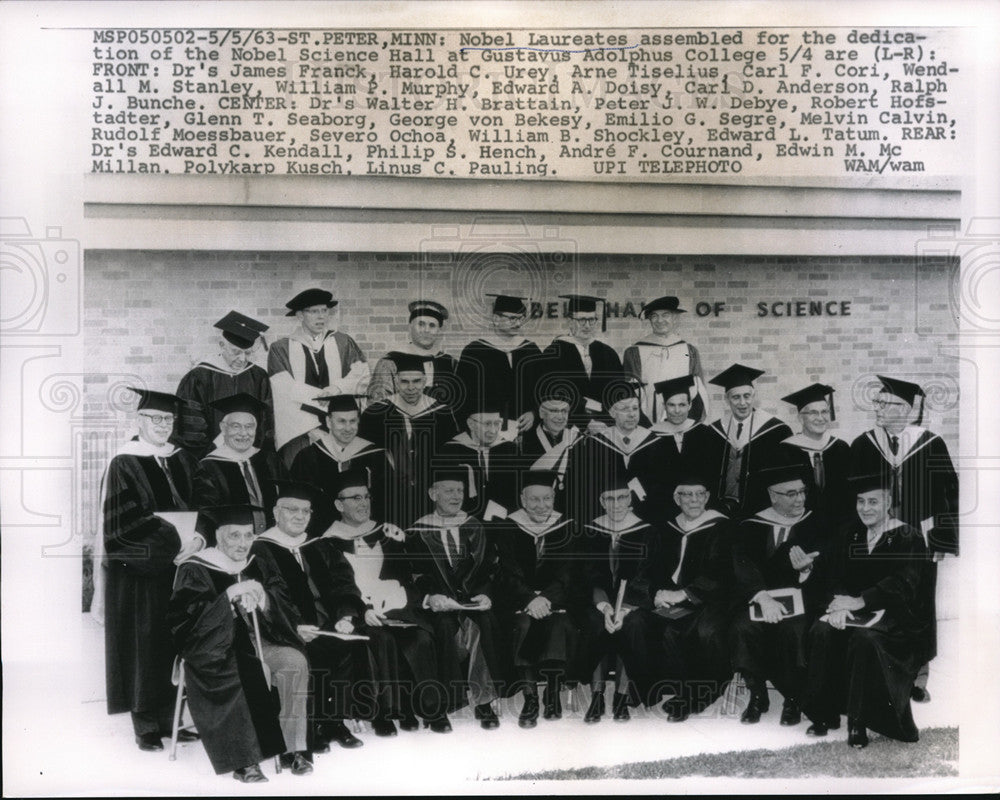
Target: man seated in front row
(881, 567)
(779, 552)
(234, 626)
(453, 565)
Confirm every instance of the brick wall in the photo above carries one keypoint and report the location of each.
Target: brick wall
(148, 316)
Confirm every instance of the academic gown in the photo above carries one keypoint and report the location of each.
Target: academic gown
(409, 441)
(461, 575)
(776, 651)
(694, 557)
(600, 457)
(868, 672)
(612, 554)
(562, 358)
(442, 383)
(680, 455)
(761, 452)
(537, 560)
(405, 657)
(491, 477)
(322, 590)
(505, 377)
(652, 360)
(321, 464)
(833, 499)
(228, 477)
(541, 451)
(139, 552)
(212, 380)
(231, 702)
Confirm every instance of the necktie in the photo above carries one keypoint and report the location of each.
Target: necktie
(780, 537)
(894, 445)
(739, 431)
(484, 464)
(626, 440)
(253, 490)
(818, 472)
(174, 494)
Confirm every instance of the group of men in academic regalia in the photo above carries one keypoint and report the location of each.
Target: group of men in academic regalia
(313, 544)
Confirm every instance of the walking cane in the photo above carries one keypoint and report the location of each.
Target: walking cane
(266, 669)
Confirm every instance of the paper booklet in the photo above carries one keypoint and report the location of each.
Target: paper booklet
(860, 619)
(346, 637)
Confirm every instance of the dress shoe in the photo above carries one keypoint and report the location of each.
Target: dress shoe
(817, 729)
(409, 723)
(297, 763)
(920, 695)
(857, 735)
(320, 746)
(384, 727)
(758, 705)
(439, 724)
(337, 732)
(596, 709)
(251, 774)
(790, 713)
(150, 742)
(619, 708)
(677, 710)
(185, 735)
(529, 712)
(487, 717)
(552, 703)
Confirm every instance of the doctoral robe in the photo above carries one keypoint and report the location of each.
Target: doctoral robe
(562, 361)
(322, 462)
(651, 361)
(442, 383)
(491, 471)
(506, 377)
(233, 486)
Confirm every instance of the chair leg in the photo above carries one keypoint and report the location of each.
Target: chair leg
(356, 724)
(572, 699)
(277, 765)
(178, 711)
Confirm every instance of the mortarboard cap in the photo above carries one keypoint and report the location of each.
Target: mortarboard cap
(338, 402)
(618, 390)
(349, 479)
(485, 405)
(736, 375)
(508, 304)
(553, 388)
(585, 304)
(612, 480)
(308, 299)
(459, 474)
(408, 362)
(241, 402)
(673, 386)
(428, 308)
(782, 473)
(156, 401)
(870, 483)
(692, 479)
(240, 330)
(539, 477)
(812, 394)
(211, 518)
(665, 303)
(904, 390)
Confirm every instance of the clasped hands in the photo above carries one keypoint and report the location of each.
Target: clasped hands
(249, 595)
(840, 608)
(612, 624)
(441, 602)
(665, 598)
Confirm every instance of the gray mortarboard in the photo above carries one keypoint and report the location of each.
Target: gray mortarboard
(308, 299)
(665, 303)
(211, 518)
(783, 473)
(906, 391)
(508, 304)
(428, 308)
(585, 304)
(539, 477)
(240, 330)
(736, 375)
(156, 401)
(617, 390)
(408, 362)
(812, 394)
(869, 483)
(242, 402)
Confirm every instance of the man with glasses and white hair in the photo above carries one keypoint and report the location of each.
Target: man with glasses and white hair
(780, 559)
(919, 472)
(315, 360)
(229, 372)
(148, 476)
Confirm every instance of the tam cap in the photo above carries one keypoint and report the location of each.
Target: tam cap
(240, 330)
(665, 303)
(428, 308)
(812, 394)
(308, 299)
(156, 401)
(736, 375)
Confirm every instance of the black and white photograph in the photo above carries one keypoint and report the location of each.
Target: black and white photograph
(550, 398)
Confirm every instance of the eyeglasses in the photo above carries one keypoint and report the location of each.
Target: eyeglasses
(355, 497)
(792, 494)
(691, 495)
(159, 419)
(296, 511)
(821, 413)
(880, 404)
(511, 317)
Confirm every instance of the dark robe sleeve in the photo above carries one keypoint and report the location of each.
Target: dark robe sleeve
(709, 584)
(201, 620)
(512, 586)
(749, 578)
(943, 480)
(335, 584)
(897, 591)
